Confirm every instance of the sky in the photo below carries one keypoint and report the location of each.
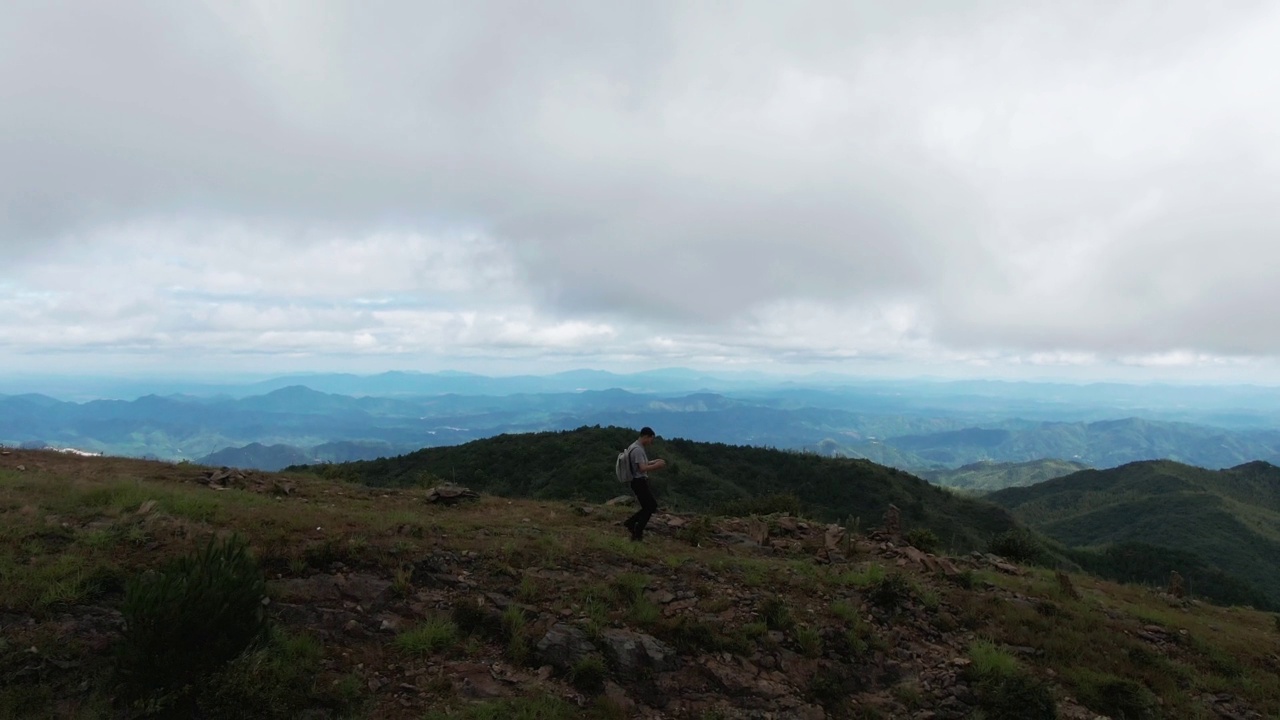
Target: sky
(1004, 189)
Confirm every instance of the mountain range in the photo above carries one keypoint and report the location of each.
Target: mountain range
(921, 426)
(1230, 517)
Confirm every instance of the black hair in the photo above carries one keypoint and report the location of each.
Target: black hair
(647, 431)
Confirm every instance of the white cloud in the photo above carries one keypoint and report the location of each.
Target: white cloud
(998, 183)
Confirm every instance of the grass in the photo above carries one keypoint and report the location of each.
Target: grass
(871, 574)
(989, 661)
(428, 638)
(810, 641)
(59, 553)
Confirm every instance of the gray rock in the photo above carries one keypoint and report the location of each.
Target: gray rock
(564, 646)
(450, 494)
(633, 651)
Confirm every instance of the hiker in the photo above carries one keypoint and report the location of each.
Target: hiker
(640, 464)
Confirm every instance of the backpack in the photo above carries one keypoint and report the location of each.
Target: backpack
(622, 466)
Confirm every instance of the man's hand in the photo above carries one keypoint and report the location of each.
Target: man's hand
(659, 464)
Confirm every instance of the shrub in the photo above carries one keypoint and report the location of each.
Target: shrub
(831, 687)
(1116, 696)
(1017, 544)
(810, 642)
(1018, 696)
(471, 617)
(891, 591)
(277, 681)
(629, 587)
(588, 674)
(697, 531)
(775, 613)
(1005, 691)
(990, 661)
(923, 539)
(190, 618)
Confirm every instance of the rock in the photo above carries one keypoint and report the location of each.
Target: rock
(623, 500)
(450, 494)
(788, 525)
(893, 521)
(477, 681)
(309, 591)
(146, 507)
(758, 531)
(834, 538)
(22, 468)
(740, 677)
(634, 651)
(1066, 586)
(661, 597)
(365, 589)
(618, 696)
(563, 646)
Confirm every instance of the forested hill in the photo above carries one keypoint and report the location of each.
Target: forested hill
(700, 476)
(989, 476)
(1230, 518)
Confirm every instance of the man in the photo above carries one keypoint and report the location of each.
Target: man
(641, 466)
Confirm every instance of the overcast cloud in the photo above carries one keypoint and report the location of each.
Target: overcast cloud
(383, 185)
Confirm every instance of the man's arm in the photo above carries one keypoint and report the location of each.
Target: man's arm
(657, 464)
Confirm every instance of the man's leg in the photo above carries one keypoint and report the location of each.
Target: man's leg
(648, 506)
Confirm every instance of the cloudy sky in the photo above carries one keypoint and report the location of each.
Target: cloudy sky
(983, 187)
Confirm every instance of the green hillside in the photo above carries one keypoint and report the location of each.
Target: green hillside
(1229, 518)
(988, 476)
(578, 464)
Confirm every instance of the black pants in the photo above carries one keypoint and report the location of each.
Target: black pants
(648, 506)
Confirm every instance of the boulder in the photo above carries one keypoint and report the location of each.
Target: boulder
(633, 651)
(564, 646)
(450, 494)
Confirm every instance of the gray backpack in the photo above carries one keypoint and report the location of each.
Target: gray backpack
(622, 466)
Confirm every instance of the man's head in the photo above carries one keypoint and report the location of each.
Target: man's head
(646, 436)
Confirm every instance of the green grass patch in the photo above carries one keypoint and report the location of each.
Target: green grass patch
(428, 638)
(990, 661)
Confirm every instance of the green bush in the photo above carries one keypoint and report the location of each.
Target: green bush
(190, 618)
(810, 642)
(1018, 545)
(775, 614)
(472, 617)
(1118, 697)
(891, 591)
(923, 539)
(588, 674)
(695, 532)
(1017, 696)
(279, 681)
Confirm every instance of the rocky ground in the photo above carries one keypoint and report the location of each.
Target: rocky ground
(437, 604)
